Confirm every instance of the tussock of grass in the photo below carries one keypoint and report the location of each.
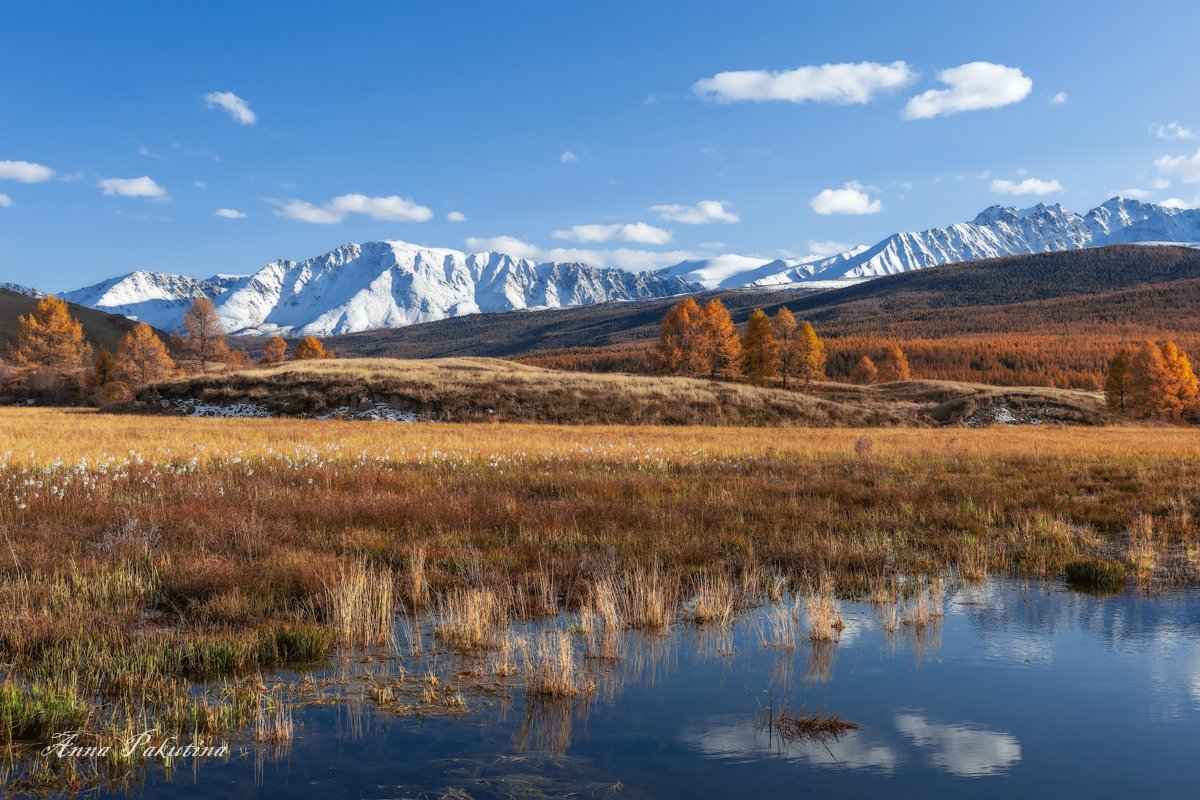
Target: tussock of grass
(1097, 575)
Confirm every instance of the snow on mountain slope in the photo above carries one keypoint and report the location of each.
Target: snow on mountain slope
(360, 287)
(19, 289)
(1005, 231)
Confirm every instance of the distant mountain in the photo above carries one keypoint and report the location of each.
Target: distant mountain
(360, 287)
(997, 231)
(17, 288)
(392, 284)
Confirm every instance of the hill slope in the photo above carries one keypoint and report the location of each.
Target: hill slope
(98, 327)
(477, 389)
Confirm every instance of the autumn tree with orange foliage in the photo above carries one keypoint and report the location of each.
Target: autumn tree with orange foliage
(1117, 387)
(310, 349)
(275, 351)
(810, 354)
(50, 339)
(785, 330)
(895, 366)
(678, 340)
(142, 358)
(204, 335)
(864, 372)
(1162, 383)
(760, 351)
(718, 345)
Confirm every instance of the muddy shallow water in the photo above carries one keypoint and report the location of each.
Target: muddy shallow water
(1020, 689)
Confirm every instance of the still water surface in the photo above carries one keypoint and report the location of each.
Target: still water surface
(1022, 689)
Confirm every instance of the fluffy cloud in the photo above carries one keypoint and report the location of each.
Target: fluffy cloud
(456, 216)
(229, 213)
(626, 258)
(1182, 205)
(852, 198)
(1184, 168)
(1059, 99)
(829, 248)
(1027, 186)
(973, 86)
(25, 172)
(1173, 130)
(568, 157)
(391, 208)
(133, 187)
(828, 83)
(5, 201)
(504, 244)
(636, 232)
(702, 213)
(233, 105)
(1133, 193)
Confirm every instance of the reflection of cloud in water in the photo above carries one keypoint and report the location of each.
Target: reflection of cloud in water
(961, 749)
(745, 741)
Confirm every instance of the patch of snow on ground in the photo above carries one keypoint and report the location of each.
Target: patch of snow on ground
(194, 408)
(1001, 414)
(380, 412)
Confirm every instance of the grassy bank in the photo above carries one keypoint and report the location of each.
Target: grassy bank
(491, 390)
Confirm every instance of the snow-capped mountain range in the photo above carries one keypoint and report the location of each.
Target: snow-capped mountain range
(360, 287)
(996, 231)
(390, 284)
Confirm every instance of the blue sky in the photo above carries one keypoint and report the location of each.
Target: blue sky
(609, 124)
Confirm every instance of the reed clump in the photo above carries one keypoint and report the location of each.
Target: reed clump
(361, 604)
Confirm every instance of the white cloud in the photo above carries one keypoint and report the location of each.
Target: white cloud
(1173, 130)
(828, 83)
(1160, 184)
(828, 248)
(456, 216)
(850, 199)
(504, 244)
(959, 748)
(626, 258)
(1059, 99)
(636, 232)
(25, 172)
(143, 150)
(230, 213)
(568, 157)
(1027, 186)
(5, 201)
(702, 213)
(1184, 168)
(713, 245)
(200, 184)
(133, 187)
(1175, 202)
(391, 208)
(233, 105)
(973, 86)
(1133, 193)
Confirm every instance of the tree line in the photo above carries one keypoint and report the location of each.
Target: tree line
(702, 341)
(1156, 380)
(51, 357)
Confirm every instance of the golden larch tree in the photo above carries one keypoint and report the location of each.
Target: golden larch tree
(142, 358)
(760, 351)
(204, 335)
(1117, 381)
(275, 351)
(719, 347)
(50, 338)
(785, 330)
(679, 337)
(1182, 387)
(895, 366)
(810, 354)
(864, 372)
(308, 349)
